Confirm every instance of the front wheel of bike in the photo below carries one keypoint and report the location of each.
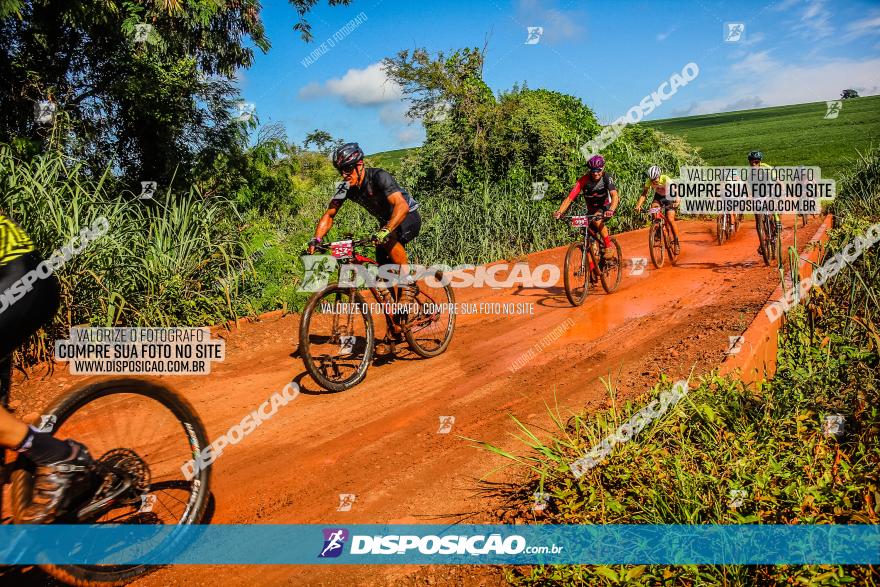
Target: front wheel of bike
(576, 278)
(655, 244)
(428, 330)
(721, 228)
(610, 270)
(764, 240)
(143, 436)
(336, 337)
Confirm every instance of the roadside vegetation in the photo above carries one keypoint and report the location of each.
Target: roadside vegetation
(765, 441)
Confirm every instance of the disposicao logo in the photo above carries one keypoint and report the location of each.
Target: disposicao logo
(334, 540)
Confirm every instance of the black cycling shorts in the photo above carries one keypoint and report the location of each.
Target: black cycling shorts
(22, 315)
(408, 230)
(665, 202)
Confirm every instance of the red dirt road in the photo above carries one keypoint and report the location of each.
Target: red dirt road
(379, 440)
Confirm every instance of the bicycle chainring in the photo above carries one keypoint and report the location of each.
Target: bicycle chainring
(120, 464)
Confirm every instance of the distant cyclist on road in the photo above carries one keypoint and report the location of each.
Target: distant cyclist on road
(756, 159)
(64, 468)
(600, 193)
(660, 183)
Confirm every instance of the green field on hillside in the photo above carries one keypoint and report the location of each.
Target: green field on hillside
(788, 135)
(387, 159)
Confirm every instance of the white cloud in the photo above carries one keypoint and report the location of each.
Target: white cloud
(665, 35)
(394, 114)
(358, 87)
(815, 20)
(752, 39)
(860, 28)
(784, 5)
(765, 82)
(755, 63)
(559, 25)
(410, 136)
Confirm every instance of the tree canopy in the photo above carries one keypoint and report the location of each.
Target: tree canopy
(148, 87)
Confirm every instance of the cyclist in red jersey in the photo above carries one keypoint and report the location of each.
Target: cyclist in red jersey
(600, 192)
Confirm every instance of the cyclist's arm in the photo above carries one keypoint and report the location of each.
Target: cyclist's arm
(326, 221)
(398, 214)
(615, 200)
(642, 198)
(578, 187)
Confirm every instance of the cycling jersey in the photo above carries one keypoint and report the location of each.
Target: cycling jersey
(373, 194)
(13, 241)
(596, 193)
(662, 188)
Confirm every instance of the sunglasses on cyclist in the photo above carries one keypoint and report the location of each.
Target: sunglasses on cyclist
(595, 170)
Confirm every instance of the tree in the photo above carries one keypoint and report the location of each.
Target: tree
(320, 138)
(847, 94)
(146, 86)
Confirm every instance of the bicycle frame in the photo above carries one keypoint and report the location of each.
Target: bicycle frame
(590, 235)
(359, 259)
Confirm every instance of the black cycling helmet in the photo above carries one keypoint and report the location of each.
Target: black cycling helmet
(347, 156)
(756, 155)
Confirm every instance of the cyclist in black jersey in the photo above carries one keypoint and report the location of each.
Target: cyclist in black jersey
(378, 192)
(29, 297)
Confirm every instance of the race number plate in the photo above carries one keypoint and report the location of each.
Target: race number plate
(580, 221)
(341, 249)
(654, 211)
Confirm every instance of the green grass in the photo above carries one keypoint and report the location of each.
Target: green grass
(788, 135)
(388, 159)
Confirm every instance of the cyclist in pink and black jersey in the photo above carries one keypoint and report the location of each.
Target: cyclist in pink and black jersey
(600, 193)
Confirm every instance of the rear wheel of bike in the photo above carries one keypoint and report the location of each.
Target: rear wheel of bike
(142, 434)
(428, 330)
(777, 241)
(721, 228)
(336, 337)
(669, 243)
(610, 269)
(655, 244)
(576, 277)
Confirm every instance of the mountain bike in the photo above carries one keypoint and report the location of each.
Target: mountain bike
(770, 238)
(337, 336)
(726, 227)
(660, 236)
(585, 262)
(144, 432)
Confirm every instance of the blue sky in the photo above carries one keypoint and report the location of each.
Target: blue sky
(609, 54)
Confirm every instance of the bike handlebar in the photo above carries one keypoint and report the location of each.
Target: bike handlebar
(354, 243)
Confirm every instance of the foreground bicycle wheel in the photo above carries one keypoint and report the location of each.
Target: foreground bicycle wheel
(610, 269)
(336, 337)
(429, 328)
(721, 228)
(141, 434)
(576, 275)
(655, 245)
